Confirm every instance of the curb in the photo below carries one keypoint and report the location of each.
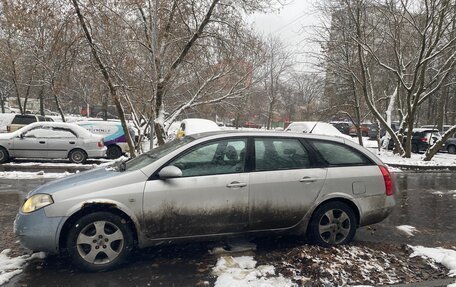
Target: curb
(423, 167)
(431, 283)
(36, 168)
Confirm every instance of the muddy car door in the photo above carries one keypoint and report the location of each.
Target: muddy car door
(210, 197)
(283, 183)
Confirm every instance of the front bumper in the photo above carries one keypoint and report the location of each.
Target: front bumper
(38, 232)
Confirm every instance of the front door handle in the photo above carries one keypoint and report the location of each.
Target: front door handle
(72, 142)
(42, 142)
(308, 179)
(236, 184)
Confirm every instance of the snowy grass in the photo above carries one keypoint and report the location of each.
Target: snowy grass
(32, 175)
(446, 257)
(242, 272)
(12, 266)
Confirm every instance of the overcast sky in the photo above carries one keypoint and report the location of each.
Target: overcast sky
(294, 25)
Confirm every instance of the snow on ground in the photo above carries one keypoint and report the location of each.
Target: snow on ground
(446, 257)
(31, 175)
(440, 159)
(11, 266)
(407, 229)
(242, 272)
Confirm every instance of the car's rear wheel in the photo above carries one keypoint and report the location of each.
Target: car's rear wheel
(77, 156)
(452, 149)
(333, 223)
(4, 155)
(113, 152)
(99, 241)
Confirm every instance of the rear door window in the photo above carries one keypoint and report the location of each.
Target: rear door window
(280, 154)
(337, 154)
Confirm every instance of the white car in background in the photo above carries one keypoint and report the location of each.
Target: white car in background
(51, 140)
(318, 128)
(196, 126)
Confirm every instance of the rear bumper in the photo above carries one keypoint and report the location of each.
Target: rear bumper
(97, 153)
(375, 208)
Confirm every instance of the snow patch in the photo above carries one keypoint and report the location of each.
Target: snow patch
(446, 257)
(31, 175)
(407, 229)
(12, 266)
(241, 272)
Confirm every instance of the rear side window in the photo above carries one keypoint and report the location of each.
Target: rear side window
(336, 154)
(280, 154)
(23, 120)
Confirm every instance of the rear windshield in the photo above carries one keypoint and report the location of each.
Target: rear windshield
(23, 120)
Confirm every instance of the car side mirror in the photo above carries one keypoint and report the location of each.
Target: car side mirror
(170, 171)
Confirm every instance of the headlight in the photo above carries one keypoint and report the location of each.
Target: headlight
(36, 202)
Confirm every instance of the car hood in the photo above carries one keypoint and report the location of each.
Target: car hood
(76, 180)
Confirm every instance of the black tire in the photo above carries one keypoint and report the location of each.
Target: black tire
(4, 155)
(77, 156)
(415, 148)
(452, 149)
(113, 152)
(99, 250)
(339, 230)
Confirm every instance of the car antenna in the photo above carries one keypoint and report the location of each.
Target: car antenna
(319, 119)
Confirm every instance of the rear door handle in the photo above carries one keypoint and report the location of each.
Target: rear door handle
(42, 142)
(236, 184)
(72, 142)
(308, 179)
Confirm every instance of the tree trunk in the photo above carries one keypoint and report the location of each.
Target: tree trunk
(41, 98)
(107, 78)
(438, 145)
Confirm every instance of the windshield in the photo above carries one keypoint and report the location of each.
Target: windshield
(155, 154)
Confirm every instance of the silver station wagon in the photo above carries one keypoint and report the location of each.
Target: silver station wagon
(208, 186)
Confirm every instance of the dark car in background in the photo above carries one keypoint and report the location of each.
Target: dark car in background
(364, 130)
(373, 130)
(450, 144)
(422, 139)
(343, 127)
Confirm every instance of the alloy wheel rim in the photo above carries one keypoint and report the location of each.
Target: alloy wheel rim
(100, 242)
(334, 226)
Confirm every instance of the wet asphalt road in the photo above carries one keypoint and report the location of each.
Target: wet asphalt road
(426, 201)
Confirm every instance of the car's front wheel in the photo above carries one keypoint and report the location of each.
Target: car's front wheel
(4, 155)
(77, 156)
(99, 241)
(333, 223)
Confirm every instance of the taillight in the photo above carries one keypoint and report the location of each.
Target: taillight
(387, 179)
(100, 144)
(424, 140)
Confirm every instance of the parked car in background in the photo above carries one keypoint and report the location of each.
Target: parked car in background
(196, 126)
(364, 130)
(343, 127)
(422, 139)
(51, 140)
(249, 124)
(450, 144)
(373, 130)
(318, 128)
(207, 186)
(113, 136)
(19, 121)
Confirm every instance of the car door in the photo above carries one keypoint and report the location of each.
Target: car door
(31, 143)
(283, 183)
(211, 197)
(60, 141)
